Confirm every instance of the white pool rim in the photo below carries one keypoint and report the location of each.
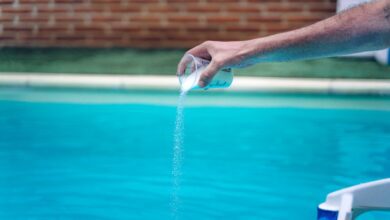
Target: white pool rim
(158, 82)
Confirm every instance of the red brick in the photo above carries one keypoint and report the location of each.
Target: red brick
(261, 18)
(182, 18)
(52, 10)
(2, 38)
(71, 38)
(45, 30)
(165, 30)
(145, 19)
(243, 9)
(6, 2)
(34, 1)
(157, 8)
(306, 1)
(205, 8)
(17, 29)
(7, 18)
(124, 9)
(207, 29)
(222, 19)
(110, 2)
(222, 1)
(97, 18)
(89, 9)
(279, 8)
(73, 2)
(16, 10)
(126, 29)
(69, 19)
(90, 29)
(36, 39)
(107, 38)
(276, 27)
(181, 1)
(327, 8)
(33, 19)
(241, 29)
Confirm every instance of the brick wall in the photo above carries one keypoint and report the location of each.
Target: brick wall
(150, 23)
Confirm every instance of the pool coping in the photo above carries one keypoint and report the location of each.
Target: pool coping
(158, 82)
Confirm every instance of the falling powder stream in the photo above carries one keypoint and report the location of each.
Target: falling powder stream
(177, 154)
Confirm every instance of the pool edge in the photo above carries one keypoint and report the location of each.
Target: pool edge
(157, 82)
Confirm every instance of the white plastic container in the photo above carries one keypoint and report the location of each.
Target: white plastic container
(348, 203)
(194, 67)
(383, 56)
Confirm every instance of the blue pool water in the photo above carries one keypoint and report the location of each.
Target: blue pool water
(63, 160)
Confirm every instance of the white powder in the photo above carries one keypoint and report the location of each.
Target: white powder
(177, 153)
(191, 81)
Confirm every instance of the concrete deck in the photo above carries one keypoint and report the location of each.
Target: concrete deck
(244, 84)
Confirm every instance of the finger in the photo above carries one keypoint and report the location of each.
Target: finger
(193, 66)
(208, 74)
(201, 51)
(185, 60)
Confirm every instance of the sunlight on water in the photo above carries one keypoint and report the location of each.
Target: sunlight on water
(177, 153)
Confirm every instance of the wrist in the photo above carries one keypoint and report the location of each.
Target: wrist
(253, 51)
(278, 47)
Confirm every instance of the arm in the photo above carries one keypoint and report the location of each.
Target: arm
(363, 28)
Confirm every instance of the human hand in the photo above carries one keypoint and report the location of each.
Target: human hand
(221, 55)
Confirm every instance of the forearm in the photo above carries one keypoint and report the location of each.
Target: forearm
(364, 28)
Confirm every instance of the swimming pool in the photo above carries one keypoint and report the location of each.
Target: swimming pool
(108, 154)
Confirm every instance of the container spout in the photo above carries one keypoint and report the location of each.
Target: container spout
(348, 203)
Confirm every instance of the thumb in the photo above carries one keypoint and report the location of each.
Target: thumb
(208, 74)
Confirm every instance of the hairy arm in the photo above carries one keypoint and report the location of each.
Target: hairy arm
(362, 28)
